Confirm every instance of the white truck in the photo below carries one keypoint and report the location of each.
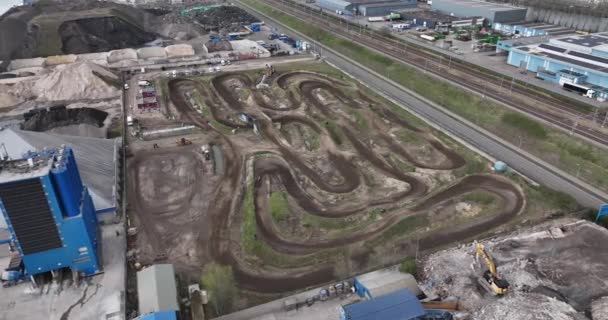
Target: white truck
(129, 121)
(143, 83)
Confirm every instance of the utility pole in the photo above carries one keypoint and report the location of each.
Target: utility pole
(512, 80)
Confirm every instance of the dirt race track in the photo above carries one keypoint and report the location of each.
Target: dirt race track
(335, 183)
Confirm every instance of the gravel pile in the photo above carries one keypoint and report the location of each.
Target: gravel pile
(553, 271)
(225, 18)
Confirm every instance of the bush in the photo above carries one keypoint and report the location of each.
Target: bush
(221, 285)
(524, 123)
(409, 266)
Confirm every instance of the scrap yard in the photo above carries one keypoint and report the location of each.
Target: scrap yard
(298, 160)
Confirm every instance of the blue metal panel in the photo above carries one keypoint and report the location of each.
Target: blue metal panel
(160, 315)
(74, 216)
(68, 196)
(398, 305)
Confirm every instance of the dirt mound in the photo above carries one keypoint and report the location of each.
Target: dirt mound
(225, 18)
(61, 117)
(76, 81)
(101, 34)
(80, 26)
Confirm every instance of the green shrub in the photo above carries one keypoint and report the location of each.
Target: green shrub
(221, 285)
(409, 266)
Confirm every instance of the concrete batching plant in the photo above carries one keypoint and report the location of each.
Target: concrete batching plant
(49, 213)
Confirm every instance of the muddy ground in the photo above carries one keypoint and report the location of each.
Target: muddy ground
(335, 182)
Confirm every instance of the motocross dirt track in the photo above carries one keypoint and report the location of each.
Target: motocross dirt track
(348, 174)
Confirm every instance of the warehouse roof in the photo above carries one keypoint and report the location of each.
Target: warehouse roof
(156, 289)
(567, 56)
(399, 305)
(481, 4)
(385, 4)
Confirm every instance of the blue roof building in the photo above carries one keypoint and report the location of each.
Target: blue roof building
(398, 305)
(576, 62)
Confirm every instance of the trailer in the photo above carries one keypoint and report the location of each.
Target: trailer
(427, 37)
(582, 90)
(143, 83)
(375, 19)
(401, 26)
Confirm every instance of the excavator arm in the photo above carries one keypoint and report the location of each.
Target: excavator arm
(491, 280)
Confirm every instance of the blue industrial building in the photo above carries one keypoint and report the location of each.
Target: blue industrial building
(366, 7)
(49, 214)
(531, 29)
(578, 63)
(401, 304)
(492, 12)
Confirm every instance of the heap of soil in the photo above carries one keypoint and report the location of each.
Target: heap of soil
(100, 35)
(224, 18)
(61, 117)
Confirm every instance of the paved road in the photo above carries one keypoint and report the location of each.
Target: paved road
(459, 128)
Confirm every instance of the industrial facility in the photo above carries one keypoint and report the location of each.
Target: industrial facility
(439, 21)
(49, 214)
(578, 63)
(492, 12)
(365, 7)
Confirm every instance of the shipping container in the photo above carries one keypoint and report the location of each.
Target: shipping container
(427, 37)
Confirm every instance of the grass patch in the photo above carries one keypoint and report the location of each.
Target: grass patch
(401, 165)
(402, 228)
(525, 124)
(279, 207)
(311, 220)
(482, 198)
(334, 131)
(251, 245)
(360, 120)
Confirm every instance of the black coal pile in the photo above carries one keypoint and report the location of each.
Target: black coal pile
(58, 116)
(224, 18)
(101, 34)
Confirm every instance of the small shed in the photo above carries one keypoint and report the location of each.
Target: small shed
(399, 305)
(156, 289)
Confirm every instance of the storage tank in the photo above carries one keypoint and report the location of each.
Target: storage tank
(500, 166)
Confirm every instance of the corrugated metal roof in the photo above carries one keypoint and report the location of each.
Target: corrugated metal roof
(399, 305)
(156, 289)
(95, 158)
(161, 315)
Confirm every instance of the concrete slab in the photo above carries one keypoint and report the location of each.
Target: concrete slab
(98, 297)
(379, 282)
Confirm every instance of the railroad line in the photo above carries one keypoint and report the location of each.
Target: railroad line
(563, 116)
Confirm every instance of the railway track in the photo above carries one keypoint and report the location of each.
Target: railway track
(545, 107)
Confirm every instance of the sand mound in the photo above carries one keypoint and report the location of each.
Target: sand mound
(76, 81)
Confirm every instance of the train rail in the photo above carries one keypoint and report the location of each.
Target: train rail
(541, 106)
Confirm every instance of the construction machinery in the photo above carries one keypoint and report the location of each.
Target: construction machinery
(183, 142)
(490, 280)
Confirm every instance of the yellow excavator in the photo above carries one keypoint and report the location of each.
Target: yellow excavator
(490, 281)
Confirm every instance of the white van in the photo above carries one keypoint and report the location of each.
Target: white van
(129, 121)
